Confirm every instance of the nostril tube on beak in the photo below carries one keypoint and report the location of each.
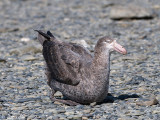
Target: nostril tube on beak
(119, 48)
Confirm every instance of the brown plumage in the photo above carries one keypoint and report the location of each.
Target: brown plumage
(72, 70)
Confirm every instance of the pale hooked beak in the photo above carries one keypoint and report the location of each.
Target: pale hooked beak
(119, 48)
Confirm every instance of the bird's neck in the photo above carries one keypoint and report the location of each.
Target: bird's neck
(101, 66)
(101, 59)
(101, 69)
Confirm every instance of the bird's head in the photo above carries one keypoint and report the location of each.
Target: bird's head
(111, 45)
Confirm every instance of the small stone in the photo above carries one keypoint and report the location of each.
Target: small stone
(19, 108)
(19, 68)
(45, 99)
(102, 118)
(87, 111)
(93, 104)
(70, 117)
(28, 58)
(136, 80)
(58, 94)
(31, 117)
(50, 118)
(74, 117)
(61, 111)
(7, 105)
(58, 103)
(156, 111)
(134, 112)
(147, 102)
(107, 4)
(84, 118)
(69, 112)
(25, 39)
(51, 111)
(156, 6)
(77, 117)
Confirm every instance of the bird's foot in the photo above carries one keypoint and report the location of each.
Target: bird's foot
(67, 102)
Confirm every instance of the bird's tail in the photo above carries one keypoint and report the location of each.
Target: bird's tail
(42, 37)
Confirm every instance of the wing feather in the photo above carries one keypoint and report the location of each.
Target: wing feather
(64, 60)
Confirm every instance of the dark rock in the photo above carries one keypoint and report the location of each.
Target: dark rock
(136, 80)
(3, 60)
(2, 100)
(130, 12)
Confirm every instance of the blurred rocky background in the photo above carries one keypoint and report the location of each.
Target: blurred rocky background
(134, 80)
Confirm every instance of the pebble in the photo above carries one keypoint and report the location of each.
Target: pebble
(147, 102)
(156, 111)
(28, 58)
(25, 39)
(19, 68)
(134, 112)
(58, 94)
(136, 80)
(69, 112)
(84, 118)
(58, 103)
(87, 111)
(45, 99)
(61, 111)
(93, 104)
(77, 117)
(19, 108)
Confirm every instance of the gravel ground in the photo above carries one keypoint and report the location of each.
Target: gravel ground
(135, 78)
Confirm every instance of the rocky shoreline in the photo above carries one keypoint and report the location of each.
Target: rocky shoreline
(134, 79)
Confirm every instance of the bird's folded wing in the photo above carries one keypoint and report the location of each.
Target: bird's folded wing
(63, 63)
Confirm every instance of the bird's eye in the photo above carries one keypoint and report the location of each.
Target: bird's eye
(108, 41)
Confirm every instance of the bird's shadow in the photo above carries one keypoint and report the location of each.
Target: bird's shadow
(110, 98)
